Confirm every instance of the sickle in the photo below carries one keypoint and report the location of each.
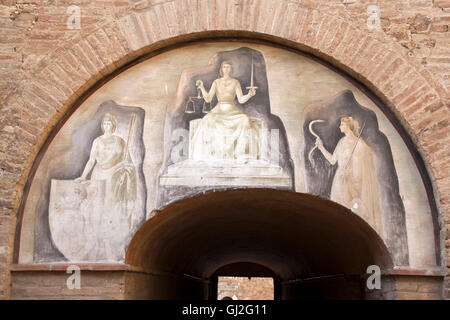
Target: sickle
(315, 135)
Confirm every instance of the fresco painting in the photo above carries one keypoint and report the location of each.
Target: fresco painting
(348, 160)
(237, 116)
(229, 144)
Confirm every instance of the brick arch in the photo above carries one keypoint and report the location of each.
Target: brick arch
(61, 79)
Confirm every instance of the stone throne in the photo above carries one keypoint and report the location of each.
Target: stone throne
(183, 176)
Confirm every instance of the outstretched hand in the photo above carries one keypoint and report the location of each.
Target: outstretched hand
(199, 83)
(319, 143)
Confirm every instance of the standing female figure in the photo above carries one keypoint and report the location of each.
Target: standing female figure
(110, 162)
(355, 183)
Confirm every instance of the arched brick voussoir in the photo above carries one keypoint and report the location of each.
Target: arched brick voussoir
(361, 52)
(158, 23)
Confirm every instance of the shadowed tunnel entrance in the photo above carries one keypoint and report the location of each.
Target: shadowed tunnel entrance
(312, 247)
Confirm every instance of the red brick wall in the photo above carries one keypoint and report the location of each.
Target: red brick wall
(45, 67)
(242, 288)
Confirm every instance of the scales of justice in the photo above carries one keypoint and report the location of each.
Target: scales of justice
(192, 103)
(227, 147)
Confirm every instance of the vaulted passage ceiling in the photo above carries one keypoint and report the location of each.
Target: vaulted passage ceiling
(294, 235)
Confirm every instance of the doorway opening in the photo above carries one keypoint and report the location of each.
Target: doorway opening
(244, 281)
(245, 288)
(311, 247)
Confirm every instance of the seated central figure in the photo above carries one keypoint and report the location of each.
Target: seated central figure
(225, 133)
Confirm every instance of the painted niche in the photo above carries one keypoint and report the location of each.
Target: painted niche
(219, 138)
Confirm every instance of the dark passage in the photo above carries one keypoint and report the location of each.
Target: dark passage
(312, 247)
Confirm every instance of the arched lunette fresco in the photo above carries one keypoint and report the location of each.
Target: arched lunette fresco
(156, 118)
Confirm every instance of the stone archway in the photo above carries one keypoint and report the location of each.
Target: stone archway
(63, 78)
(309, 243)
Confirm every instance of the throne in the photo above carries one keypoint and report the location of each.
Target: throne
(261, 172)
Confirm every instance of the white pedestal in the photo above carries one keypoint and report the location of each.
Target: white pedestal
(254, 173)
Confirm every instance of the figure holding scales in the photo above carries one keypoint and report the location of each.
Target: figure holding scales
(226, 133)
